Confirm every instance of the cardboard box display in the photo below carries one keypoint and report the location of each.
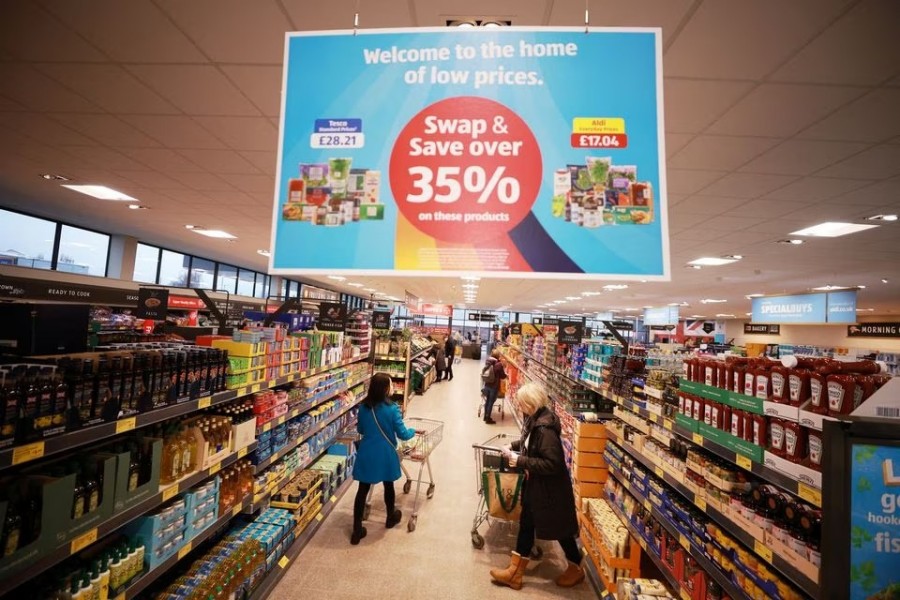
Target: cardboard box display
(588, 459)
(590, 474)
(125, 499)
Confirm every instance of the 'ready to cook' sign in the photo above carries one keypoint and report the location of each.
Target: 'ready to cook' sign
(448, 151)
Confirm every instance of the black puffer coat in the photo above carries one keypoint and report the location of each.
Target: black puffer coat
(548, 489)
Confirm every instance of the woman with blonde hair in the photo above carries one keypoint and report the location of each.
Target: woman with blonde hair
(548, 502)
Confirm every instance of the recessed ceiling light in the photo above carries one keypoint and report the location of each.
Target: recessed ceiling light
(752, 296)
(632, 309)
(137, 207)
(714, 261)
(646, 307)
(861, 287)
(100, 191)
(616, 286)
(712, 301)
(214, 233)
(792, 242)
(694, 267)
(882, 218)
(572, 298)
(190, 226)
(356, 285)
(643, 281)
(588, 294)
(470, 278)
(724, 315)
(698, 316)
(884, 281)
(264, 252)
(52, 177)
(373, 290)
(337, 278)
(829, 288)
(833, 229)
(734, 256)
(865, 310)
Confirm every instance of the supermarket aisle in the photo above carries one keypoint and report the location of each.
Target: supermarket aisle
(436, 561)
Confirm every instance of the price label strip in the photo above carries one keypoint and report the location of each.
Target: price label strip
(810, 494)
(170, 492)
(123, 425)
(185, 550)
(764, 551)
(27, 453)
(204, 402)
(83, 541)
(743, 462)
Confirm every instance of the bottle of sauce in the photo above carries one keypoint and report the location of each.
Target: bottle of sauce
(688, 406)
(815, 442)
(779, 379)
(818, 395)
(758, 425)
(699, 406)
(840, 391)
(776, 436)
(795, 442)
(737, 423)
(710, 373)
(726, 418)
(749, 381)
(737, 379)
(763, 382)
(722, 375)
(798, 386)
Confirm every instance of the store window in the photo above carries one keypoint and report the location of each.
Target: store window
(203, 273)
(226, 280)
(173, 269)
(245, 282)
(146, 263)
(83, 252)
(26, 241)
(259, 288)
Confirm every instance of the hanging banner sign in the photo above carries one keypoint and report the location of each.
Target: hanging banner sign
(879, 330)
(700, 328)
(449, 151)
(412, 302)
(833, 307)
(153, 303)
(570, 332)
(515, 329)
(762, 329)
(332, 316)
(666, 315)
(435, 310)
(381, 319)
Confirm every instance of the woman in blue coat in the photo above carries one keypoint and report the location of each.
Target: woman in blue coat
(380, 424)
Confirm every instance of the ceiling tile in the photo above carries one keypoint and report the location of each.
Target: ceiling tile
(252, 183)
(133, 31)
(7, 105)
(720, 152)
(36, 91)
(103, 157)
(861, 48)
(885, 194)
(29, 33)
(196, 89)
(175, 132)
(691, 105)
(742, 40)
(635, 13)
(879, 162)
(203, 182)
(731, 224)
(107, 130)
(772, 209)
(219, 161)
(242, 133)
(43, 129)
(745, 185)
(831, 212)
(800, 157)
(264, 161)
(110, 87)
(262, 84)
(707, 205)
(683, 181)
(163, 160)
(372, 14)
(782, 109)
(815, 189)
(151, 180)
(214, 25)
(872, 118)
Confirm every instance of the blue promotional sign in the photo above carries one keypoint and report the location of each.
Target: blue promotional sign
(874, 521)
(842, 307)
(667, 315)
(833, 307)
(447, 151)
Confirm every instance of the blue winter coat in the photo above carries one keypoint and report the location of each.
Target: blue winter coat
(376, 459)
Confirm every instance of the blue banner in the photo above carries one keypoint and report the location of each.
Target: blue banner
(842, 307)
(833, 307)
(874, 522)
(451, 151)
(667, 315)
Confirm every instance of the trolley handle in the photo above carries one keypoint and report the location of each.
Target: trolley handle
(488, 448)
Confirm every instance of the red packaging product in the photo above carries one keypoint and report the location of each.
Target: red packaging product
(737, 379)
(840, 390)
(726, 418)
(758, 425)
(749, 382)
(710, 373)
(795, 442)
(699, 404)
(737, 423)
(866, 383)
(798, 386)
(776, 436)
(763, 383)
(681, 403)
(723, 375)
(816, 449)
(817, 393)
(707, 411)
(778, 379)
(717, 416)
(688, 406)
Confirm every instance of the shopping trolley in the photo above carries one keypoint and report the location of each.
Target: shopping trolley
(429, 434)
(489, 457)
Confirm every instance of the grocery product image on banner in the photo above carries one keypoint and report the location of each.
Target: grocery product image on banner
(502, 152)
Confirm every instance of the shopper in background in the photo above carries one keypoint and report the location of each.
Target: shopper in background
(491, 375)
(548, 502)
(449, 355)
(440, 360)
(380, 423)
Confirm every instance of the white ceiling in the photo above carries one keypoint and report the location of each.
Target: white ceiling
(779, 115)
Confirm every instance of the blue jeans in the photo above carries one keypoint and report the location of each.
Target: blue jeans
(490, 396)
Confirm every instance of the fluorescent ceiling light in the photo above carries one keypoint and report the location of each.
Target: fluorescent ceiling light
(264, 252)
(470, 278)
(752, 296)
(698, 316)
(865, 310)
(214, 233)
(724, 315)
(792, 242)
(356, 285)
(882, 218)
(137, 207)
(833, 229)
(588, 294)
(337, 278)
(884, 281)
(712, 301)
(643, 281)
(713, 261)
(100, 191)
(573, 298)
(646, 307)
(830, 288)
(616, 286)
(54, 177)
(560, 301)
(373, 290)
(632, 309)
(694, 267)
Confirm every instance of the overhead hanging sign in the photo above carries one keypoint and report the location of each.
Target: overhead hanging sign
(570, 332)
(762, 329)
(878, 330)
(381, 319)
(153, 303)
(332, 316)
(447, 151)
(435, 310)
(412, 302)
(831, 307)
(666, 315)
(701, 328)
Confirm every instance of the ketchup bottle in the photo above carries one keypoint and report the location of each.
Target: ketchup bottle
(763, 382)
(737, 379)
(840, 390)
(749, 381)
(795, 442)
(758, 430)
(816, 447)
(723, 375)
(710, 373)
(737, 423)
(818, 393)
(779, 383)
(776, 436)
(798, 386)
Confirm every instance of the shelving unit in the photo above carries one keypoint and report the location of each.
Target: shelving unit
(28, 453)
(401, 376)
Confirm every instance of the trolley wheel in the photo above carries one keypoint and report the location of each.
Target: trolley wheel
(477, 540)
(366, 512)
(479, 411)
(407, 486)
(430, 492)
(411, 526)
(537, 553)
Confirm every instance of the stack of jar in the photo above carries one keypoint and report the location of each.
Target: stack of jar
(820, 385)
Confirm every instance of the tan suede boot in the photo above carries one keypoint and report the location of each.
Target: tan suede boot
(512, 575)
(572, 576)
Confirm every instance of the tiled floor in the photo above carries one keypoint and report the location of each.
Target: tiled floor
(437, 561)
